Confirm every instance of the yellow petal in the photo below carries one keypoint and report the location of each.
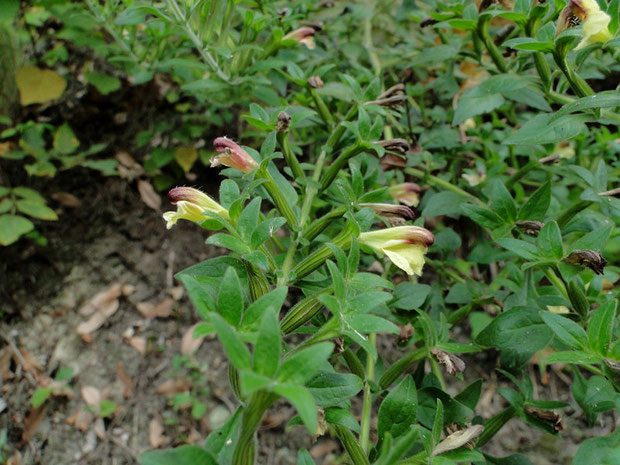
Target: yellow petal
(407, 257)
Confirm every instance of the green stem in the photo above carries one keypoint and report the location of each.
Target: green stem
(317, 226)
(496, 56)
(339, 163)
(288, 263)
(367, 402)
(525, 169)
(353, 362)
(368, 44)
(399, 367)
(579, 86)
(289, 156)
(278, 199)
(572, 211)
(244, 453)
(324, 113)
(440, 182)
(494, 424)
(350, 445)
(556, 281)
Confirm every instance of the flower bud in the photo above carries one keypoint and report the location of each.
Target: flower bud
(452, 363)
(405, 246)
(531, 228)
(303, 35)
(315, 82)
(589, 258)
(284, 121)
(458, 439)
(192, 205)
(232, 155)
(555, 419)
(407, 193)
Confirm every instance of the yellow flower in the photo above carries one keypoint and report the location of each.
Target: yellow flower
(594, 21)
(192, 205)
(405, 246)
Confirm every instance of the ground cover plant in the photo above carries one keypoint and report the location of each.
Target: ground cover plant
(442, 175)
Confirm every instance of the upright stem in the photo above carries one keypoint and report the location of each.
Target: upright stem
(367, 405)
(439, 182)
(244, 453)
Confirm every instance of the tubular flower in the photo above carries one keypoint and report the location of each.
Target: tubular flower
(594, 21)
(405, 246)
(407, 193)
(303, 35)
(192, 205)
(232, 155)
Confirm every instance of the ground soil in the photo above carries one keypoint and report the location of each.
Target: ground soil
(115, 238)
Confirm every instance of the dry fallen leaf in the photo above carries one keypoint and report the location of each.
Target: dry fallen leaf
(16, 459)
(38, 85)
(185, 157)
(82, 419)
(125, 380)
(176, 292)
(324, 448)
(156, 433)
(99, 428)
(6, 147)
(5, 364)
(91, 395)
(67, 200)
(189, 345)
(101, 299)
(98, 318)
(32, 421)
(162, 310)
(148, 195)
(138, 343)
(174, 386)
(28, 362)
(128, 168)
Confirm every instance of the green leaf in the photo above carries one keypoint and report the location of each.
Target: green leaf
(103, 83)
(437, 423)
(229, 192)
(65, 141)
(221, 442)
(520, 248)
(39, 396)
(594, 240)
(235, 349)
(474, 105)
(199, 295)
(529, 43)
(508, 331)
(265, 230)
(228, 242)
(408, 296)
(366, 324)
(184, 455)
(304, 458)
(600, 327)
(12, 227)
(443, 203)
(28, 194)
(269, 145)
(540, 130)
(608, 99)
(254, 312)
(502, 203)
(230, 298)
(342, 417)
(267, 348)
(397, 412)
(537, 205)
(549, 241)
(573, 356)
(567, 331)
(252, 382)
(302, 365)
(481, 215)
(600, 450)
(249, 219)
(436, 54)
(363, 123)
(36, 210)
(302, 401)
(367, 301)
(331, 389)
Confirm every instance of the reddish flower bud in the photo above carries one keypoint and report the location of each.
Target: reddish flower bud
(232, 155)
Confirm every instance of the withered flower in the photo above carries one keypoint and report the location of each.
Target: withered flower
(589, 258)
(284, 121)
(390, 211)
(406, 333)
(400, 146)
(531, 228)
(392, 97)
(548, 416)
(613, 364)
(407, 193)
(452, 363)
(458, 439)
(315, 82)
